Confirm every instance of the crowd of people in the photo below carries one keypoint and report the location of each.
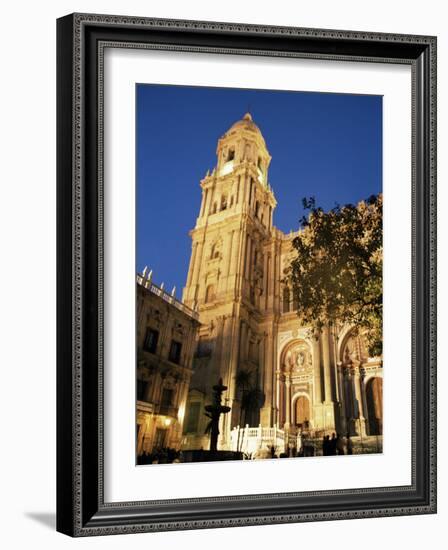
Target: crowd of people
(163, 455)
(337, 445)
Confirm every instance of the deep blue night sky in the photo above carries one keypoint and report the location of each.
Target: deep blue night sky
(324, 145)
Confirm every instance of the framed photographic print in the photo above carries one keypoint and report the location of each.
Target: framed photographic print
(246, 274)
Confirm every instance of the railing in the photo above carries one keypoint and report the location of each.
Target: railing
(149, 285)
(250, 440)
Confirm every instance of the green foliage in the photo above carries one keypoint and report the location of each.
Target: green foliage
(337, 272)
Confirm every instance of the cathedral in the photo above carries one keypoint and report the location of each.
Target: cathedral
(278, 376)
(282, 381)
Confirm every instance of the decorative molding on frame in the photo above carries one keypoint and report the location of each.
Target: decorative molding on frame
(81, 527)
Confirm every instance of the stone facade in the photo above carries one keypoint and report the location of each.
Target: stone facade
(166, 340)
(248, 319)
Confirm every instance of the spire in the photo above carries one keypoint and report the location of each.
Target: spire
(247, 116)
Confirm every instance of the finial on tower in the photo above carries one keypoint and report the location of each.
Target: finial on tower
(247, 116)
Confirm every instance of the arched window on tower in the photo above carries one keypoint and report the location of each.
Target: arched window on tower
(231, 155)
(215, 208)
(257, 209)
(210, 294)
(286, 300)
(295, 301)
(224, 202)
(214, 254)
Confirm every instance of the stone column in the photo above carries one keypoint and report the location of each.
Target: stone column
(352, 412)
(357, 387)
(237, 193)
(248, 257)
(263, 297)
(209, 200)
(233, 367)
(274, 289)
(326, 362)
(229, 252)
(236, 243)
(218, 350)
(242, 259)
(271, 278)
(192, 264)
(250, 191)
(262, 359)
(334, 361)
(277, 397)
(267, 367)
(204, 201)
(247, 343)
(317, 372)
(347, 397)
(197, 269)
(199, 248)
(342, 397)
(364, 398)
(227, 375)
(237, 359)
(287, 402)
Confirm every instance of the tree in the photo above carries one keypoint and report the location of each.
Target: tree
(336, 274)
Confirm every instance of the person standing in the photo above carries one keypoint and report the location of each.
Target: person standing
(349, 445)
(326, 445)
(340, 445)
(332, 444)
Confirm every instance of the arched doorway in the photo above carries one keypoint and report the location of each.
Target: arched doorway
(374, 394)
(302, 411)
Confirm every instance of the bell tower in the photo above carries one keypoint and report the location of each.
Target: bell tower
(236, 211)
(227, 277)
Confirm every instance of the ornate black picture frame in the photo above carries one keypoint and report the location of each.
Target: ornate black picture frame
(81, 509)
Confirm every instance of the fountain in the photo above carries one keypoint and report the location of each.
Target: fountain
(213, 411)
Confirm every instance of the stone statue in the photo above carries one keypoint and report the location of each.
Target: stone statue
(300, 359)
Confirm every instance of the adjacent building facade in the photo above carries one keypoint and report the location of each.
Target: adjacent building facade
(166, 341)
(280, 378)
